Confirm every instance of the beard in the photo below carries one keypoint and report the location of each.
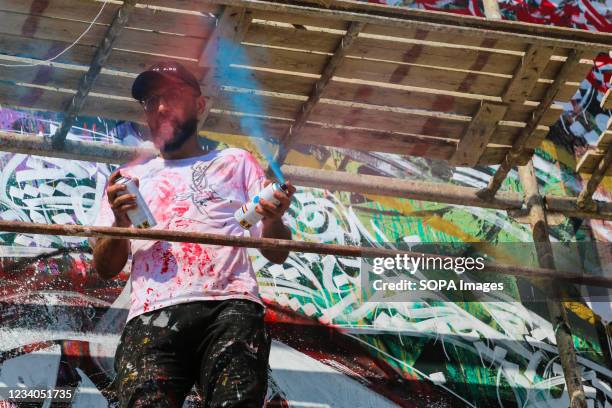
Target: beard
(174, 138)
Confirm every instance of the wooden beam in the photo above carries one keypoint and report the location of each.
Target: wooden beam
(585, 198)
(283, 244)
(554, 291)
(606, 101)
(87, 81)
(478, 134)
(51, 100)
(219, 51)
(144, 17)
(135, 41)
(589, 161)
(527, 73)
(491, 9)
(328, 72)
(456, 26)
(512, 158)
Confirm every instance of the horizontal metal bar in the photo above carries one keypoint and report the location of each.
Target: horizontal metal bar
(72, 149)
(282, 244)
(436, 192)
(307, 177)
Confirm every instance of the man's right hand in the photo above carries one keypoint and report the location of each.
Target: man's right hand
(120, 204)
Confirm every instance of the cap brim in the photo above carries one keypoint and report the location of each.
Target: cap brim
(148, 80)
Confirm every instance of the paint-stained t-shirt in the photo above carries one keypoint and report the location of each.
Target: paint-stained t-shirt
(197, 194)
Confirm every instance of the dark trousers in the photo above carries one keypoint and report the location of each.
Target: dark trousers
(222, 346)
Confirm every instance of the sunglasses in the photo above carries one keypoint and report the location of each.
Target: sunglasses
(171, 97)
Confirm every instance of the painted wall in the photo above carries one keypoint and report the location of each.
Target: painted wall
(59, 323)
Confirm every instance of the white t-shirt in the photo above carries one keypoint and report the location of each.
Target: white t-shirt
(193, 194)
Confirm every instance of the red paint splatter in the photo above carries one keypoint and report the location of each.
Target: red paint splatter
(166, 258)
(180, 210)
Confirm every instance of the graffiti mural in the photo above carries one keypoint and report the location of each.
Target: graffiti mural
(495, 352)
(60, 323)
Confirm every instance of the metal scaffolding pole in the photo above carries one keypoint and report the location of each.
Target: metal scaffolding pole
(563, 335)
(308, 177)
(288, 245)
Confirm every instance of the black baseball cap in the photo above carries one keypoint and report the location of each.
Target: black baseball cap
(163, 72)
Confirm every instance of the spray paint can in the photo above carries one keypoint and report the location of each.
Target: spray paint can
(141, 216)
(246, 214)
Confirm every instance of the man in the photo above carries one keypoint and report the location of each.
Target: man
(195, 312)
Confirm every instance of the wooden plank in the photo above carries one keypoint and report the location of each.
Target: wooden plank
(403, 74)
(67, 31)
(527, 73)
(280, 105)
(491, 9)
(519, 147)
(407, 50)
(300, 20)
(588, 163)
(422, 98)
(433, 78)
(400, 16)
(219, 51)
(29, 98)
(435, 54)
(390, 49)
(119, 60)
(222, 122)
(296, 63)
(357, 139)
(605, 140)
(478, 134)
(399, 74)
(200, 6)
(388, 121)
(573, 76)
(53, 101)
(307, 109)
(600, 169)
(606, 101)
(280, 82)
(59, 77)
(387, 142)
(564, 94)
(258, 104)
(336, 114)
(578, 74)
(441, 36)
(458, 26)
(144, 17)
(291, 37)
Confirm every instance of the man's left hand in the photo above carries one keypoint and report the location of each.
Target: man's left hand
(272, 213)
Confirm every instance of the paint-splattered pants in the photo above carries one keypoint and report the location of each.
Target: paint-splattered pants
(223, 346)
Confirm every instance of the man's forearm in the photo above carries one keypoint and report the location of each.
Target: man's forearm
(278, 230)
(110, 256)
